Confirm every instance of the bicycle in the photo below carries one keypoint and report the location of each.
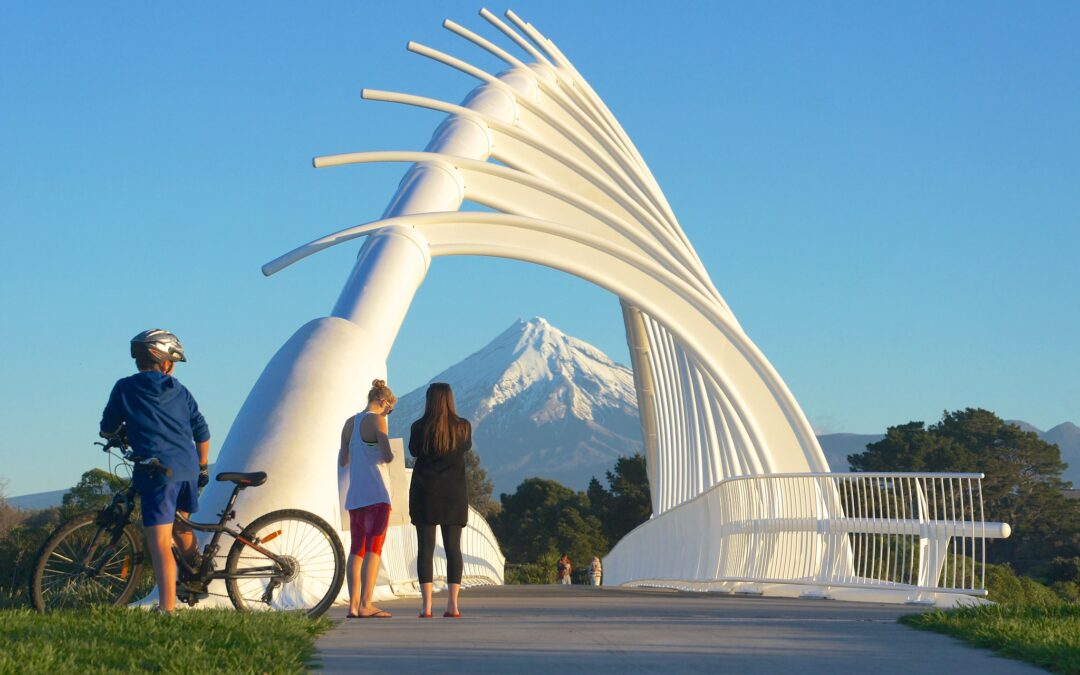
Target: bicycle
(286, 560)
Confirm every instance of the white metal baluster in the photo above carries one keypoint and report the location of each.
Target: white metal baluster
(982, 521)
(952, 537)
(905, 492)
(971, 501)
(894, 538)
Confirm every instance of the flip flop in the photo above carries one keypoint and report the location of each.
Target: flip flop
(424, 616)
(381, 614)
(448, 615)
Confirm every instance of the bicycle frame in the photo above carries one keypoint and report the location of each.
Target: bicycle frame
(206, 573)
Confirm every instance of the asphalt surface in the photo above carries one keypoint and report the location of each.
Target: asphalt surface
(578, 629)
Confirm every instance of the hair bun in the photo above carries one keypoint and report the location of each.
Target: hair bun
(378, 383)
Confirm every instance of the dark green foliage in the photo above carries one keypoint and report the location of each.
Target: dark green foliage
(542, 571)
(93, 492)
(543, 518)
(17, 551)
(1005, 587)
(1022, 487)
(480, 486)
(627, 502)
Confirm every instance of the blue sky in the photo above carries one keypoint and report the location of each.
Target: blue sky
(887, 194)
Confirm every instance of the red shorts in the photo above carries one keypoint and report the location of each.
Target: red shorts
(367, 525)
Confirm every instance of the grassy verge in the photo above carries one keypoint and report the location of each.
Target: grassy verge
(1048, 636)
(116, 639)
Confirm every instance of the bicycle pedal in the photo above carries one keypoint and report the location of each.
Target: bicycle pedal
(190, 595)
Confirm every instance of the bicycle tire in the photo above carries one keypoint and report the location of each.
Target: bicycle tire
(309, 543)
(61, 581)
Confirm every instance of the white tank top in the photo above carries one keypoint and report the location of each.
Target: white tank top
(369, 475)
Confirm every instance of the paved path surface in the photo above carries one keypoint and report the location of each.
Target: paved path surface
(577, 629)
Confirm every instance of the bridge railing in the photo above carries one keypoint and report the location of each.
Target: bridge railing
(913, 532)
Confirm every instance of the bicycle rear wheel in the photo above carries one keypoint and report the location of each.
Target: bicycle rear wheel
(83, 564)
(306, 575)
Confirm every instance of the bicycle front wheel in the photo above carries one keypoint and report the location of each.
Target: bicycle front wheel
(83, 564)
(304, 573)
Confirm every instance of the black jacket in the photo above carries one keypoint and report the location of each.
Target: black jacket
(438, 494)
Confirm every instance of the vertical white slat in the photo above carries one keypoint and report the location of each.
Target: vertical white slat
(982, 521)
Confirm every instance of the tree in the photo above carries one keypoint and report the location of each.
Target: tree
(543, 517)
(94, 490)
(1022, 487)
(9, 515)
(480, 486)
(631, 499)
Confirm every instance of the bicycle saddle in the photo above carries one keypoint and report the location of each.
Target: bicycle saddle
(254, 479)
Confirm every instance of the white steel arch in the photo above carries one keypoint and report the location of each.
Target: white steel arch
(574, 195)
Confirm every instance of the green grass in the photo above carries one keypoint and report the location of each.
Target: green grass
(117, 639)
(1048, 636)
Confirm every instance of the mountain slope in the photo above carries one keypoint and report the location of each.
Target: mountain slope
(541, 403)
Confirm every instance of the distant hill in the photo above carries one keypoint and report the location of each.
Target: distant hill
(38, 500)
(837, 447)
(1067, 437)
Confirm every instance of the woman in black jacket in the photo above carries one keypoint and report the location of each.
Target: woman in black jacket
(438, 494)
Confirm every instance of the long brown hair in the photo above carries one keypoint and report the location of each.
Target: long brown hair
(440, 430)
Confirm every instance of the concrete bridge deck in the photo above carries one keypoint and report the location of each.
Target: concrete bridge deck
(577, 629)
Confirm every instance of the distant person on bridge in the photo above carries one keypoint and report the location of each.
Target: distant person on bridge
(595, 571)
(162, 422)
(368, 498)
(564, 569)
(438, 494)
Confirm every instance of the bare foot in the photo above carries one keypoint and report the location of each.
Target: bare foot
(373, 613)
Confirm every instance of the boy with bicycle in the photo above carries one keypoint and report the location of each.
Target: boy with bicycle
(162, 422)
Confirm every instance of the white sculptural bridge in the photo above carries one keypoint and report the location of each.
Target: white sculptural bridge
(742, 497)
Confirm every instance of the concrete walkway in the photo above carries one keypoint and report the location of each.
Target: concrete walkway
(577, 629)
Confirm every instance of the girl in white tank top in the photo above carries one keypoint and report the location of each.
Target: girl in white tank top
(369, 474)
(368, 497)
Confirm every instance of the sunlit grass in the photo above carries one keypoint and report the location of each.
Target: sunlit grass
(118, 639)
(1048, 636)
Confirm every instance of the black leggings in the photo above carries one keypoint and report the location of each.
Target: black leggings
(425, 555)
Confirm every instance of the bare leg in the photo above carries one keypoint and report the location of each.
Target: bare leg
(185, 539)
(368, 575)
(352, 575)
(451, 602)
(160, 540)
(425, 594)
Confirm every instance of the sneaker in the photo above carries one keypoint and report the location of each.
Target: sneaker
(190, 592)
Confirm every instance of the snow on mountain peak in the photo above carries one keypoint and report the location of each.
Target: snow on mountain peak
(544, 393)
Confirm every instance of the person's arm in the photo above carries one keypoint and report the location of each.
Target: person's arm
(346, 437)
(414, 442)
(200, 433)
(113, 415)
(386, 453)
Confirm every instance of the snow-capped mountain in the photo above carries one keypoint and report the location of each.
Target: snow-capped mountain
(542, 403)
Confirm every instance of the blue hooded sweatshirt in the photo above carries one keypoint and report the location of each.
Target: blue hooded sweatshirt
(163, 421)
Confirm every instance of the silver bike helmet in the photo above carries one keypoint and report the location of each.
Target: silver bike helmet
(160, 345)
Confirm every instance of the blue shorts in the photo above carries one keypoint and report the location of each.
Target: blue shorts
(160, 503)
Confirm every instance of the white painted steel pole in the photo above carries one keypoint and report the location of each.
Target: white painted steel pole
(290, 423)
